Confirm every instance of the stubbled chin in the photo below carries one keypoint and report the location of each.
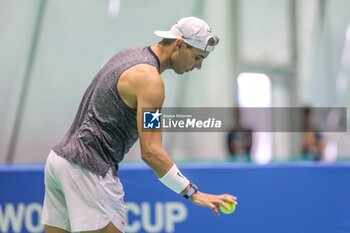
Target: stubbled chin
(180, 72)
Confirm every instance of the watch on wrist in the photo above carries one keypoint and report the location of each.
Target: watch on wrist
(191, 191)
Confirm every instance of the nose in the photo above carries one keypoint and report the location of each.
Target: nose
(198, 65)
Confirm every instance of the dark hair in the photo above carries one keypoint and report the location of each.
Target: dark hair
(167, 41)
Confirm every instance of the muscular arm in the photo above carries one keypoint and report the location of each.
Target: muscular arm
(149, 93)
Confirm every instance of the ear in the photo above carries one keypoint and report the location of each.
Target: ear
(179, 43)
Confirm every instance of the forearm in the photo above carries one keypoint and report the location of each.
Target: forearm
(167, 172)
(158, 160)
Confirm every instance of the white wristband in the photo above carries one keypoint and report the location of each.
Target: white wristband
(174, 180)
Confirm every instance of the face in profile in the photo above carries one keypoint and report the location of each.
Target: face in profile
(187, 58)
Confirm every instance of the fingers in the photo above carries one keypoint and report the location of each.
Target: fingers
(233, 200)
(229, 198)
(225, 205)
(215, 210)
(223, 200)
(213, 201)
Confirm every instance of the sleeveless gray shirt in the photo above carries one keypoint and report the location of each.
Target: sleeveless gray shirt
(105, 128)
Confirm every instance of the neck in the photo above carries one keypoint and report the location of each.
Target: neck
(163, 53)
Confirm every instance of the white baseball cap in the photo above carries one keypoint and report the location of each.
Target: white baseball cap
(194, 31)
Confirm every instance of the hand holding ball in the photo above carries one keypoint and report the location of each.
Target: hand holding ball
(226, 211)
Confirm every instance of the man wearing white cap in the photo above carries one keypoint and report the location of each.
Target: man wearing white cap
(82, 188)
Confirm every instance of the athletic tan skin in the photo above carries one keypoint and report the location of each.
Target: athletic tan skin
(142, 86)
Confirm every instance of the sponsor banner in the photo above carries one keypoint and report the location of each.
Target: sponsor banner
(257, 119)
(288, 198)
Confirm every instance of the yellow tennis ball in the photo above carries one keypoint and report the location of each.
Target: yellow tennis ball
(226, 211)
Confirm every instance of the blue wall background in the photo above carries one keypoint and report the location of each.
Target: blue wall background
(278, 198)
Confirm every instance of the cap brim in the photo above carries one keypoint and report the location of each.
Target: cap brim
(165, 34)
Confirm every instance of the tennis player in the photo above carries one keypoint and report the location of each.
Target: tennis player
(82, 189)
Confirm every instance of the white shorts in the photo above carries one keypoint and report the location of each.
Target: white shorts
(79, 200)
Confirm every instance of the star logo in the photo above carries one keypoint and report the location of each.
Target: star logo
(151, 120)
(156, 115)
